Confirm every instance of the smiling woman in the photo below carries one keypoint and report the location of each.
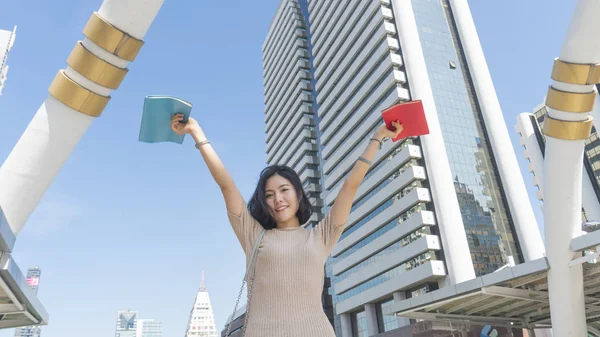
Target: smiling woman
(286, 260)
(279, 200)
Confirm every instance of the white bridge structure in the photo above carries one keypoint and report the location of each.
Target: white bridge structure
(560, 290)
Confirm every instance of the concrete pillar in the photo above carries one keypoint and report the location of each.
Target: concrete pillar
(400, 296)
(346, 321)
(372, 324)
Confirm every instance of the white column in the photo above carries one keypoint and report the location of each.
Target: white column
(346, 322)
(400, 296)
(524, 220)
(449, 218)
(372, 324)
(563, 176)
(56, 128)
(533, 153)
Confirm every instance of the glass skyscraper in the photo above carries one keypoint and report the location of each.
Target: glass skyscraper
(432, 211)
(464, 132)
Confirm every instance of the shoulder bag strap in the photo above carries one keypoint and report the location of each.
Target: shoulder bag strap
(250, 269)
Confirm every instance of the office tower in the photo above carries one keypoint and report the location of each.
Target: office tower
(432, 211)
(291, 128)
(33, 279)
(202, 321)
(126, 324)
(149, 328)
(7, 39)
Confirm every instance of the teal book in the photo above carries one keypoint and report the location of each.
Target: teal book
(156, 119)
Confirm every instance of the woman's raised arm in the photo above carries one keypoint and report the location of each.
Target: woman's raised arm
(343, 202)
(233, 198)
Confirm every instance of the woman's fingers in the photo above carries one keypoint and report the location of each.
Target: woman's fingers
(177, 117)
(398, 128)
(175, 125)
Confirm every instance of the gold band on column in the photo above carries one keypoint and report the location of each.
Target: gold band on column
(94, 68)
(77, 97)
(567, 130)
(575, 73)
(570, 101)
(112, 39)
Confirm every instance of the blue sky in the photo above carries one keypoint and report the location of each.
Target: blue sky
(128, 225)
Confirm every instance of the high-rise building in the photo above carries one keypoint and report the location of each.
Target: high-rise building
(291, 125)
(432, 211)
(202, 321)
(126, 323)
(149, 328)
(33, 279)
(7, 39)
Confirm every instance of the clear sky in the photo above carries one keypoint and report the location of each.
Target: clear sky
(129, 225)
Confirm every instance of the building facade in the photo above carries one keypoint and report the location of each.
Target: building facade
(291, 126)
(202, 321)
(432, 211)
(149, 328)
(7, 39)
(126, 325)
(33, 279)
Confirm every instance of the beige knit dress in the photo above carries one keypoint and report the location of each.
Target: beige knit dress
(287, 288)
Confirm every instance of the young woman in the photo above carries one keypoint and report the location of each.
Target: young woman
(289, 270)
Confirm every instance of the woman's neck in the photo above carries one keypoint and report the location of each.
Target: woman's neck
(291, 223)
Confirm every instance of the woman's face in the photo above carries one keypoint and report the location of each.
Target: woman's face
(282, 199)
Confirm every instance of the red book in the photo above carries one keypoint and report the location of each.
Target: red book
(412, 117)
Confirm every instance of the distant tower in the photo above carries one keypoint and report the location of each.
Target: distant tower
(149, 328)
(33, 279)
(7, 39)
(126, 324)
(202, 320)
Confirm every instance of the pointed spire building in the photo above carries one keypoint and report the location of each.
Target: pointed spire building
(202, 320)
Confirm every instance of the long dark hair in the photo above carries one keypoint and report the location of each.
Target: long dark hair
(258, 207)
